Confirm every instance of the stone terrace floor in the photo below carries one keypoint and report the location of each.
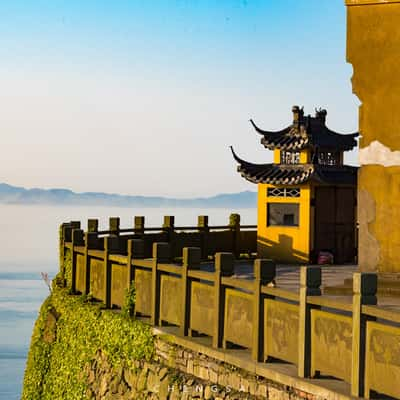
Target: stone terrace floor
(288, 278)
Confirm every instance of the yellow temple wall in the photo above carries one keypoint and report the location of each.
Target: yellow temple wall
(373, 48)
(285, 244)
(277, 156)
(304, 156)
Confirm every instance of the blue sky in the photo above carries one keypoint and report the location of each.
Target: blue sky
(144, 97)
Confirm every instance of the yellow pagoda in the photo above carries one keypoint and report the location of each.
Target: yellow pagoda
(306, 197)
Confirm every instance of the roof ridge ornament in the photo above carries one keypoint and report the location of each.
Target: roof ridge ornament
(321, 113)
(298, 115)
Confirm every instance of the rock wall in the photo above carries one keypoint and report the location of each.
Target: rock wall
(178, 373)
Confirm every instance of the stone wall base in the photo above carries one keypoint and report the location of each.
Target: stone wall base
(179, 373)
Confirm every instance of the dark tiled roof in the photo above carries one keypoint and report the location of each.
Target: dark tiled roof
(306, 131)
(282, 174)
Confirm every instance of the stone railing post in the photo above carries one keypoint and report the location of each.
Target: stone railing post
(234, 224)
(91, 242)
(139, 224)
(364, 292)
(66, 231)
(169, 229)
(191, 260)
(224, 266)
(168, 224)
(62, 234)
(68, 228)
(161, 254)
(202, 223)
(264, 273)
(75, 224)
(110, 247)
(77, 240)
(310, 282)
(93, 225)
(135, 251)
(114, 223)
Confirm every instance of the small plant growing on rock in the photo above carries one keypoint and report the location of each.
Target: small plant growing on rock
(128, 308)
(58, 281)
(86, 298)
(46, 279)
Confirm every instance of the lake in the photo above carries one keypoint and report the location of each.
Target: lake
(29, 245)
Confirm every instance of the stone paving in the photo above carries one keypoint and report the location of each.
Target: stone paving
(288, 277)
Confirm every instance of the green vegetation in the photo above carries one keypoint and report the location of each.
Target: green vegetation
(68, 267)
(129, 303)
(68, 333)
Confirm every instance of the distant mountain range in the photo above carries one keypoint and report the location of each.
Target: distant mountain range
(19, 195)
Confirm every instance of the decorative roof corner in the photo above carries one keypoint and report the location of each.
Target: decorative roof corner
(269, 133)
(294, 174)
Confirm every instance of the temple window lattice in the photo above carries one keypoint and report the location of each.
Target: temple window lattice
(283, 192)
(290, 157)
(329, 158)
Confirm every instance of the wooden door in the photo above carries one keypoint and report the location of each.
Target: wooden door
(335, 222)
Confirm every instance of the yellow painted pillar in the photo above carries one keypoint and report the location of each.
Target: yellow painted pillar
(373, 48)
